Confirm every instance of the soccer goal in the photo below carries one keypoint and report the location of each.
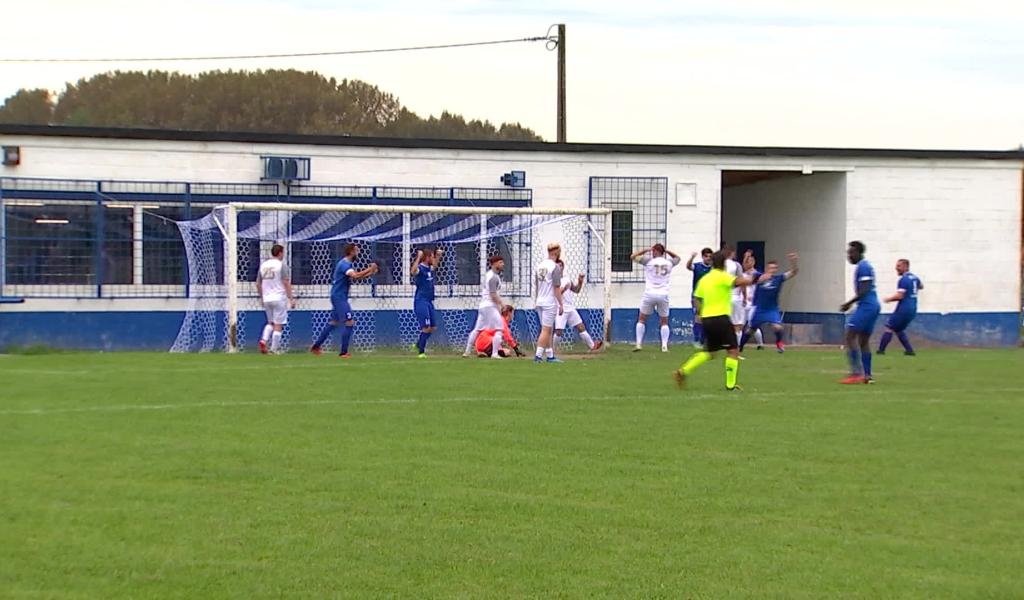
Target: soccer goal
(224, 250)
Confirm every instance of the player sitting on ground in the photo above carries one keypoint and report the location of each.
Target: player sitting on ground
(423, 305)
(657, 279)
(766, 300)
(341, 310)
(488, 313)
(548, 301)
(714, 301)
(861, 323)
(571, 317)
(485, 341)
(699, 269)
(906, 310)
(274, 289)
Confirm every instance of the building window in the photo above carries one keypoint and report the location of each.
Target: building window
(639, 219)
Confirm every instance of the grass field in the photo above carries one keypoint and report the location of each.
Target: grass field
(205, 476)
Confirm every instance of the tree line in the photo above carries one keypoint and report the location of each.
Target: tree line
(278, 101)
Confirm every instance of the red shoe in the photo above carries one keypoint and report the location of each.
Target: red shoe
(345, 355)
(315, 351)
(597, 346)
(263, 347)
(852, 380)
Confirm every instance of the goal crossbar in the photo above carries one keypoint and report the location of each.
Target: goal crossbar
(231, 258)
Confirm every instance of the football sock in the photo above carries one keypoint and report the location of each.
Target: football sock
(695, 361)
(549, 352)
(421, 344)
(471, 341)
(665, 331)
(585, 336)
(275, 341)
(759, 337)
(778, 338)
(732, 369)
(884, 343)
(496, 344)
(540, 352)
(324, 334)
(854, 357)
(267, 330)
(346, 337)
(641, 329)
(905, 341)
(744, 339)
(698, 333)
(555, 340)
(865, 359)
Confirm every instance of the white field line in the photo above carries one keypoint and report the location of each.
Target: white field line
(849, 392)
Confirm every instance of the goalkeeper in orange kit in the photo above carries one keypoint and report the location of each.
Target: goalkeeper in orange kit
(486, 337)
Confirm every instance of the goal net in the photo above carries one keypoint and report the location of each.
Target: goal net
(225, 248)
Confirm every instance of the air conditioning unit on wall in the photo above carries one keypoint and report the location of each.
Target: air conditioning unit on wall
(285, 168)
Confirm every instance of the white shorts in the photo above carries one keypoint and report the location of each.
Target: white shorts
(277, 312)
(748, 314)
(547, 315)
(650, 304)
(739, 313)
(489, 317)
(570, 318)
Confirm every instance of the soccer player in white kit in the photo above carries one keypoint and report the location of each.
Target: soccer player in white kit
(488, 314)
(548, 301)
(657, 276)
(750, 272)
(274, 289)
(739, 295)
(570, 316)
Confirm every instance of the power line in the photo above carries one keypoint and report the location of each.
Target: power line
(287, 55)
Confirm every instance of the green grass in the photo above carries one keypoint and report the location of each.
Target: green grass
(206, 476)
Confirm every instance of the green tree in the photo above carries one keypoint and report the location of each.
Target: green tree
(29, 107)
(282, 101)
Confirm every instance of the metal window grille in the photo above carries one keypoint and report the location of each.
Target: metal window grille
(639, 218)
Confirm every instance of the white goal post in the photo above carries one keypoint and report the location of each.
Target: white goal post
(314, 233)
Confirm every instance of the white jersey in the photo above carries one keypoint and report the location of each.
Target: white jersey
(736, 270)
(751, 290)
(658, 274)
(568, 296)
(548, 276)
(491, 284)
(272, 275)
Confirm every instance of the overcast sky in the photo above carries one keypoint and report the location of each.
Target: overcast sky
(867, 73)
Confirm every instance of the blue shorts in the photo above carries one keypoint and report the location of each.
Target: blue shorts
(863, 318)
(425, 315)
(761, 317)
(900, 321)
(341, 310)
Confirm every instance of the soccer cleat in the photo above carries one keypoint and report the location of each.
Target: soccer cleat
(554, 359)
(466, 355)
(637, 348)
(869, 380)
(760, 347)
(734, 388)
(415, 349)
(314, 350)
(852, 380)
(538, 360)
(263, 347)
(421, 356)
(597, 346)
(664, 348)
(780, 349)
(497, 357)
(680, 378)
(910, 353)
(345, 355)
(880, 353)
(697, 346)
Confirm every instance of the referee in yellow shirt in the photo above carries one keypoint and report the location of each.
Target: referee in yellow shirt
(713, 298)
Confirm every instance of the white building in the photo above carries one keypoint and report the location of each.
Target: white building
(957, 215)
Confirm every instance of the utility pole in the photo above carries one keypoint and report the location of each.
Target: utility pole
(561, 83)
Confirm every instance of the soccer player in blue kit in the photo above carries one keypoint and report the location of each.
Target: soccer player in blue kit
(423, 304)
(861, 323)
(700, 269)
(341, 311)
(906, 310)
(766, 300)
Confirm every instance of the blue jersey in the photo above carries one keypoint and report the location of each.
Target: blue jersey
(341, 282)
(699, 270)
(766, 298)
(425, 283)
(909, 284)
(866, 273)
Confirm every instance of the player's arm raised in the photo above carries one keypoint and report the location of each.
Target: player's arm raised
(576, 287)
(370, 270)
(676, 259)
(414, 270)
(636, 255)
(689, 263)
(794, 265)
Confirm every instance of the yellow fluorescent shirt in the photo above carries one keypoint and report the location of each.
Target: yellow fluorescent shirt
(715, 293)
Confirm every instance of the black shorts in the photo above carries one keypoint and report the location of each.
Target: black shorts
(719, 334)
